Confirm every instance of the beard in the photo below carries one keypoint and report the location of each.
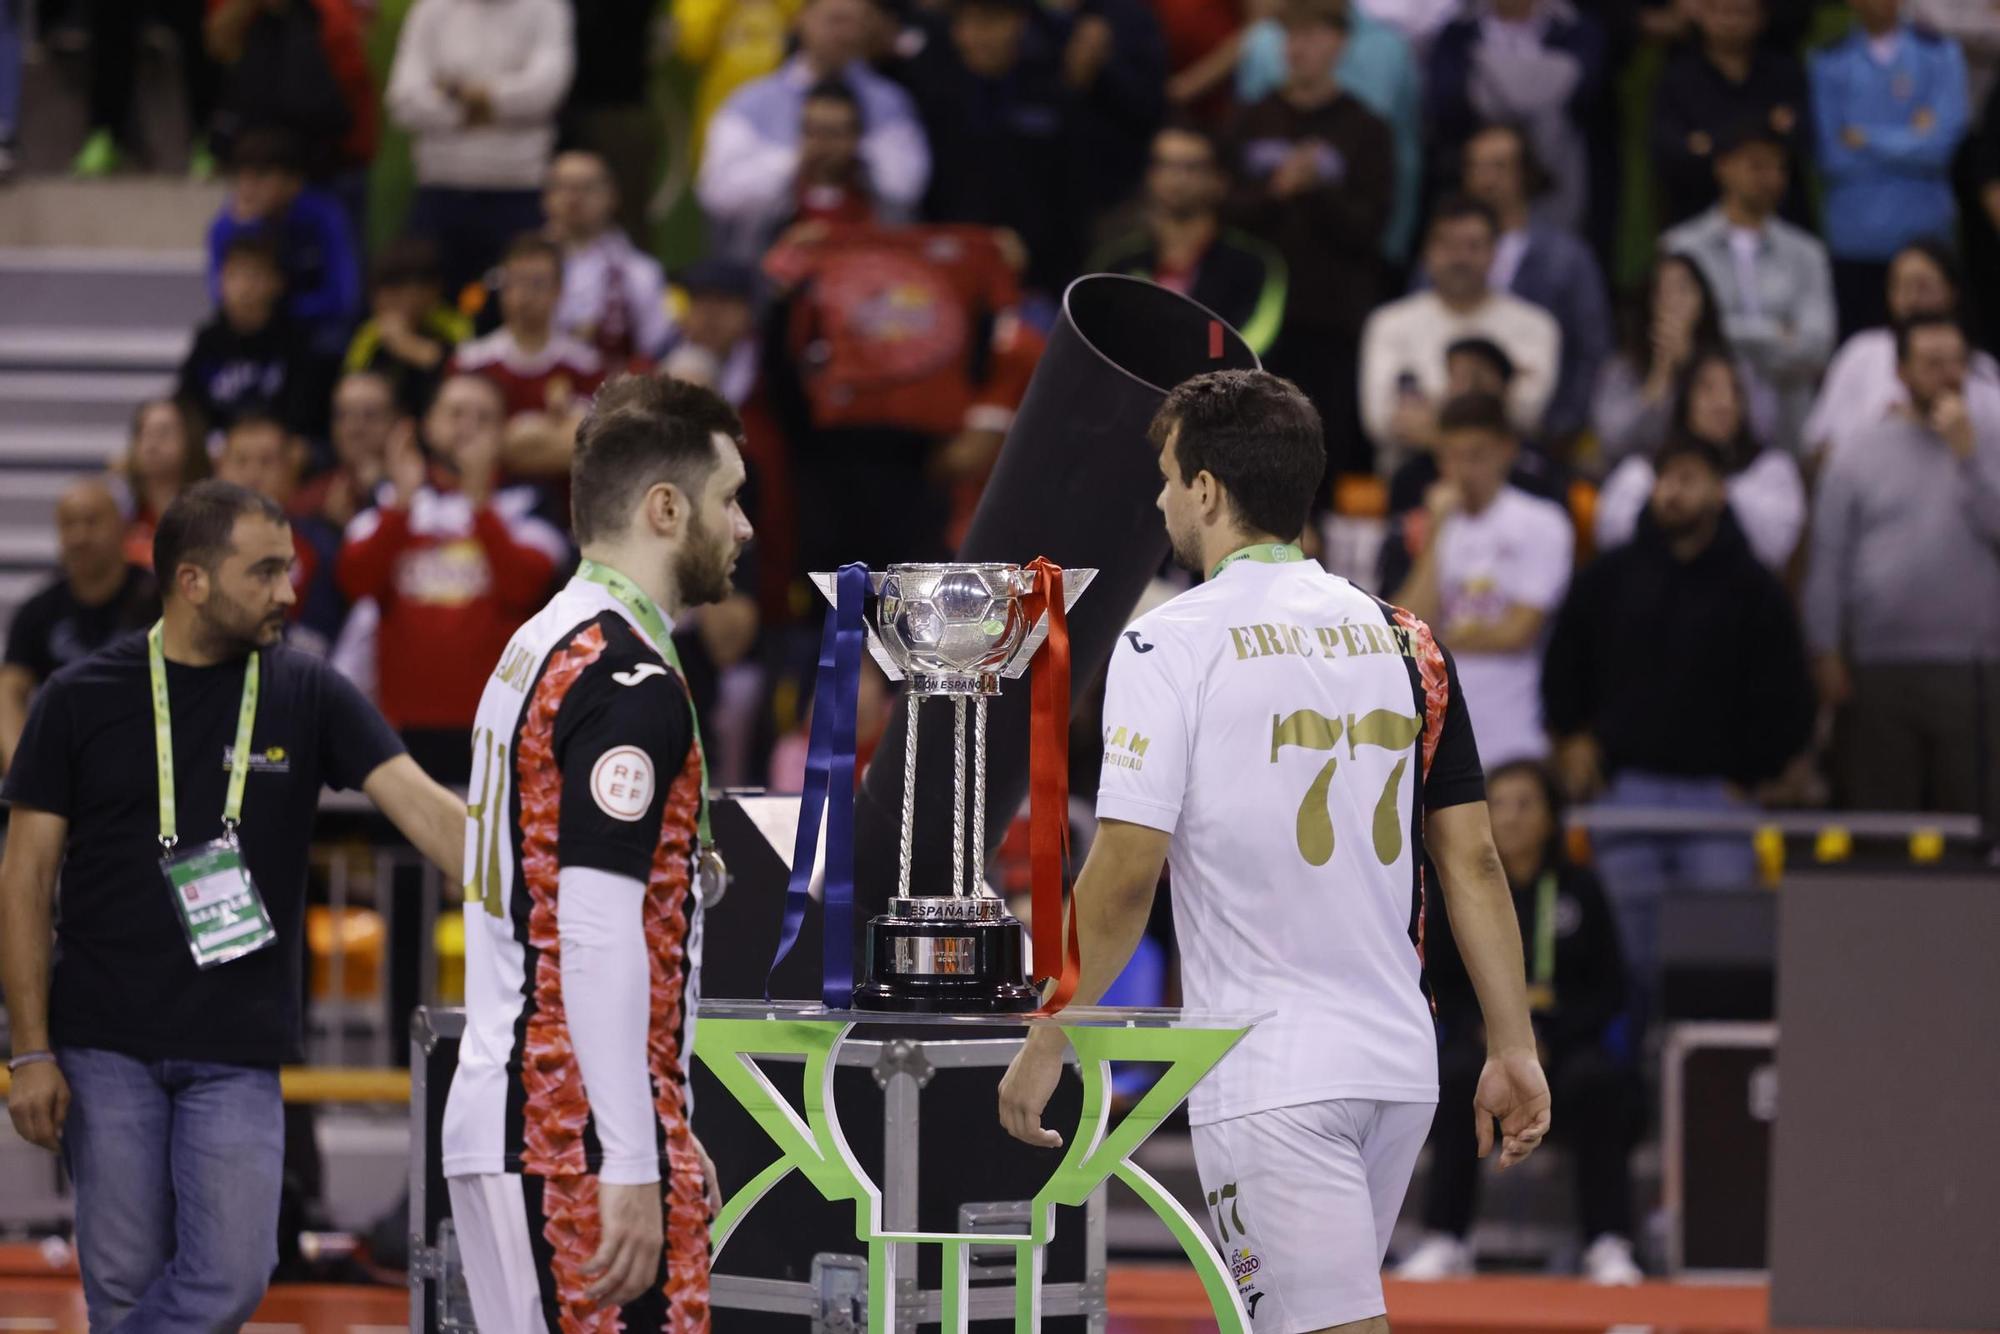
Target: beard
(234, 630)
(701, 567)
(1187, 552)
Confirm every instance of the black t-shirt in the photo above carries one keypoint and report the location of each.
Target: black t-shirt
(124, 979)
(52, 629)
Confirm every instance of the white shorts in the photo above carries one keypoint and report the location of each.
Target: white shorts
(1303, 1200)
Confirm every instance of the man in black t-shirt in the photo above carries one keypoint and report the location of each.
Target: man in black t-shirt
(96, 597)
(157, 1078)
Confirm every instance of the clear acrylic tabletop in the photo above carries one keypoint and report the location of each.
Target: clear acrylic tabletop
(1076, 1016)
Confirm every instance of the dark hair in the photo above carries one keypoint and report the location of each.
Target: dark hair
(1475, 412)
(255, 246)
(1333, 13)
(1638, 340)
(255, 421)
(1486, 350)
(194, 434)
(1740, 449)
(533, 245)
(1257, 435)
(1681, 444)
(1942, 257)
(1907, 330)
(1554, 853)
(1457, 208)
(642, 430)
(1181, 123)
(406, 262)
(835, 89)
(196, 528)
(1535, 178)
(268, 148)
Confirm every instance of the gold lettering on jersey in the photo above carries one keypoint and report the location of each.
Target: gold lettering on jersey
(1329, 640)
(1125, 749)
(1270, 643)
(1241, 638)
(516, 667)
(1268, 640)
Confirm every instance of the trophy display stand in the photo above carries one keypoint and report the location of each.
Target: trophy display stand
(734, 1039)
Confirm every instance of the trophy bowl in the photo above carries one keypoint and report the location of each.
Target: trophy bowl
(952, 629)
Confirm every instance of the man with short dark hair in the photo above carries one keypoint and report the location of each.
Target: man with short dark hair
(148, 1054)
(250, 358)
(1403, 347)
(269, 196)
(1902, 599)
(1292, 746)
(832, 184)
(1491, 564)
(613, 293)
(1726, 73)
(590, 808)
(1184, 245)
(1675, 676)
(98, 596)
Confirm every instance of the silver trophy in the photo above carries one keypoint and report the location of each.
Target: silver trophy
(951, 631)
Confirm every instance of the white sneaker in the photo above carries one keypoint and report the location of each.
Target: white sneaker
(1609, 1263)
(1438, 1256)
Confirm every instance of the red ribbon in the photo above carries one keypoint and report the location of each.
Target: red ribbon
(1048, 788)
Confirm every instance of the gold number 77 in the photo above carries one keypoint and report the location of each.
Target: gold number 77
(1310, 730)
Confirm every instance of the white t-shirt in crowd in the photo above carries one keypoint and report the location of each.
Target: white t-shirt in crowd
(1288, 731)
(1516, 552)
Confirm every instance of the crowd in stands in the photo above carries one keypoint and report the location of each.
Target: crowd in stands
(1730, 536)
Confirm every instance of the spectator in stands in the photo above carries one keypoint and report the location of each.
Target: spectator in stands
(167, 453)
(155, 1078)
(115, 26)
(268, 196)
(249, 358)
(97, 596)
(718, 344)
(1576, 993)
(1316, 177)
(477, 84)
(1005, 134)
(1772, 283)
(1675, 318)
(1402, 350)
(613, 293)
(1976, 29)
(1726, 77)
(259, 455)
(608, 112)
(1376, 66)
(365, 417)
(750, 160)
(1903, 596)
(1767, 495)
(300, 66)
(1546, 266)
(1675, 678)
(1889, 106)
(410, 330)
(1491, 564)
(1113, 61)
(1863, 384)
(456, 564)
(832, 179)
(1183, 243)
(545, 377)
(1539, 64)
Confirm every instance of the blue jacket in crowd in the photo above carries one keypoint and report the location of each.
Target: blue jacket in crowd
(321, 260)
(1910, 112)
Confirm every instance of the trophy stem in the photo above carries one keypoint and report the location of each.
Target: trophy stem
(958, 795)
(915, 703)
(978, 795)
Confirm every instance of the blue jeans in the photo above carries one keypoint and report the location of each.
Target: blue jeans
(1638, 868)
(177, 1167)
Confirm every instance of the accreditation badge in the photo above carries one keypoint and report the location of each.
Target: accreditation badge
(222, 914)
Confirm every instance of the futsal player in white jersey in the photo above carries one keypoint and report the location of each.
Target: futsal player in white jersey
(1288, 744)
(580, 1196)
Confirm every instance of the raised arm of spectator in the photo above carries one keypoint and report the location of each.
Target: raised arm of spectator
(532, 93)
(897, 154)
(413, 95)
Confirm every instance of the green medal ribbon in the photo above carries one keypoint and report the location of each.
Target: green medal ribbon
(645, 611)
(1265, 553)
(163, 741)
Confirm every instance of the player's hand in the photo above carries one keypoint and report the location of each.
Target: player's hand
(407, 467)
(1513, 1091)
(710, 1180)
(38, 1101)
(627, 1263)
(1026, 1087)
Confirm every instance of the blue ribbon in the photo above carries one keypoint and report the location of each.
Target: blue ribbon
(829, 786)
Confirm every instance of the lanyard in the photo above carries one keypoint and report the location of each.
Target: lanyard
(650, 618)
(1267, 553)
(1545, 930)
(163, 741)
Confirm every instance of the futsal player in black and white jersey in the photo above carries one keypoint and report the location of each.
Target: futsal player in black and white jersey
(1288, 744)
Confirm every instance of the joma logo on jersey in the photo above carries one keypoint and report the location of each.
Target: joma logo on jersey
(516, 666)
(1125, 749)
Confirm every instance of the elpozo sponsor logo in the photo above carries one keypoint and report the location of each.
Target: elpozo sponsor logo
(270, 760)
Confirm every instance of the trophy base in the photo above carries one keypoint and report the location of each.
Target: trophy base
(945, 956)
